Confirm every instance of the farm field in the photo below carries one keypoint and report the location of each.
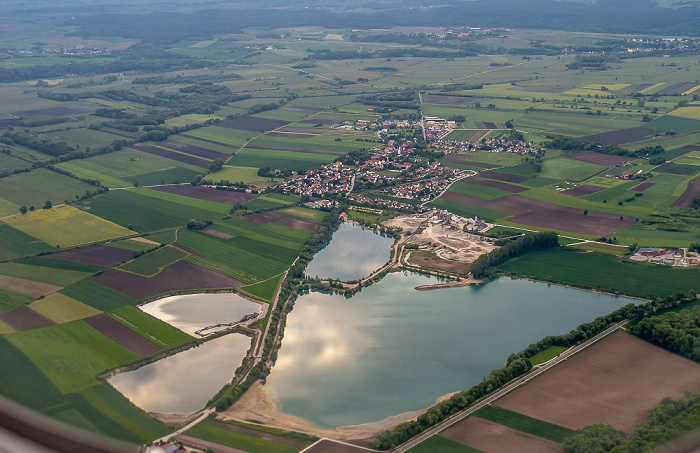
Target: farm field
(582, 270)
(36, 187)
(484, 435)
(153, 262)
(607, 383)
(66, 226)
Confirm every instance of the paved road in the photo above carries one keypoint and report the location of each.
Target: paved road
(509, 388)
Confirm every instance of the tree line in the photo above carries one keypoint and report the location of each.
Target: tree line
(677, 332)
(483, 266)
(668, 420)
(572, 144)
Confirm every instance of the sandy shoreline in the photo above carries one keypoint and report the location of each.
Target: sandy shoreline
(256, 406)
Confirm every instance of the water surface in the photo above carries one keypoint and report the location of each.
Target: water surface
(192, 312)
(391, 349)
(354, 252)
(184, 382)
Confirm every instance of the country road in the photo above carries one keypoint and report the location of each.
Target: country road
(507, 389)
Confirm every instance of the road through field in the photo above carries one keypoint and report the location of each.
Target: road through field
(509, 388)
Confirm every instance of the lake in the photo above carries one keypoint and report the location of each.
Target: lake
(391, 349)
(192, 312)
(354, 252)
(184, 382)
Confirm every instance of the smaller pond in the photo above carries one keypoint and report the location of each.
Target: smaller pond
(354, 252)
(193, 312)
(184, 382)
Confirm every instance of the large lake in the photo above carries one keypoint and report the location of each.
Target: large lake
(184, 382)
(391, 349)
(353, 253)
(192, 312)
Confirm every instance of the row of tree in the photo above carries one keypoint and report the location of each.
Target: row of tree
(677, 332)
(668, 420)
(483, 266)
(575, 145)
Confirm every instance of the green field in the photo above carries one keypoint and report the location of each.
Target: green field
(245, 264)
(678, 169)
(523, 423)
(247, 175)
(96, 296)
(489, 215)
(271, 201)
(60, 308)
(155, 330)
(153, 262)
(547, 354)
(35, 187)
(225, 135)
(242, 441)
(563, 169)
(441, 444)
(66, 226)
(143, 213)
(217, 208)
(487, 193)
(15, 243)
(673, 123)
(583, 270)
(172, 175)
(602, 248)
(305, 213)
(656, 238)
(10, 300)
(58, 264)
(26, 384)
(290, 160)
(58, 277)
(265, 290)
(71, 354)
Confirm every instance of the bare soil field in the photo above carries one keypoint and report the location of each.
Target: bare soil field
(686, 200)
(492, 437)
(430, 260)
(291, 135)
(613, 382)
(583, 190)
(28, 287)
(284, 220)
(195, 150)
(449, 100)
(633, 134)
(503, 176)
(51, 111)
(594, 224)
(498, 185)
(328, 446)
(691, 148)
(176, 277)
(599, 158)
(642, 187)
(8, 123)
(489, 125)
(96, 255)
(678, 88)
(299, 150)
(24, 318)
(251, 123)
(229, 197)
(122, 335)
(547, 215)
(196, 161)
(205, 140)
(638, 87)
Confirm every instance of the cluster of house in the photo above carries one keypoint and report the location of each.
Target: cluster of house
(437, 128)
(390, 204)
(72, 50)
(654, 44)
(430, 181)
(334, 178)
(495, 145)
(631, 176)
